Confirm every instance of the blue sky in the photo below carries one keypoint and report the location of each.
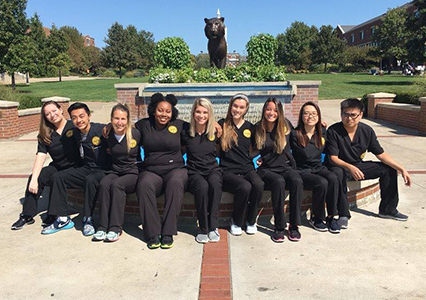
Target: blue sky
(186, 18)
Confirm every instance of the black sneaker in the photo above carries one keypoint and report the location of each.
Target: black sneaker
(22, 221)
(395, 216)
(166, 242)
(48, 220)
(318, 224)
(278, 236)
(333, 225)
(294, 234)
(343, 222)
(154, 242)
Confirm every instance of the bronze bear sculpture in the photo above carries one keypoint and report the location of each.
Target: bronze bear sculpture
(215, 32)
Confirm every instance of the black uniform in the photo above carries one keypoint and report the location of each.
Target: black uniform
(95, 160)
(163, 171)
(119, 182)
(205, 178)
(278, 171)
(353, 152)
(240, 177)
(64, 153)
(316, 177)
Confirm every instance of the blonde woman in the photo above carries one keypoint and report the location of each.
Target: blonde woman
(239, 175)
(205, 175)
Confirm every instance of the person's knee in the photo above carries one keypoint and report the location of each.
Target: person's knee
(258, 185)
(243, 188)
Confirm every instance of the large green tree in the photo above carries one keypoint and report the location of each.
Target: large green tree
(294, 45)
(327, 47)
(39, 39)
(75, 43)
(92, 58)
(13, 26)
(416, 25)
(57, 49)
(145, 49)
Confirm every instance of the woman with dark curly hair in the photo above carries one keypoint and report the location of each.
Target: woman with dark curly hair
(163, 170)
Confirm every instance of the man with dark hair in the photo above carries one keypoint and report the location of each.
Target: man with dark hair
(95, 161)
(347, 143)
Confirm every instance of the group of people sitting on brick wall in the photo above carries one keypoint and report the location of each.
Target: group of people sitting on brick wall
(111, 160)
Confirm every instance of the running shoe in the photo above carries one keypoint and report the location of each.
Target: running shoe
(251, 229)
(235, 230)
(278, 236)
(166, 242)
(22, 221)
(99, 236)
(318, 224)
(58, 225)
(202, 238)
(154, 242)
(395, 216)
(214, 236)
(294, 234)
(88, 228)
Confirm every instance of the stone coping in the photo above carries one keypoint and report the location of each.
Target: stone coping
(358, 185)
(402, 106)
(305, 82)
(56, 98)
(29, 111)
(8, 104)
(381, 95)
(422, 99)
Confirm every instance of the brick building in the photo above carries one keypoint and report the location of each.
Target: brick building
(89, 41)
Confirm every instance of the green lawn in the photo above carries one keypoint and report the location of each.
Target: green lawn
(334, 86)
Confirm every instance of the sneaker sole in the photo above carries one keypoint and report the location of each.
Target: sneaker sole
(166, 246)
(294, 239)
(214, 241)
(334, 231)
(277, 241)
(392, 218)
(97, 240)
(68, 226)
(155, 246)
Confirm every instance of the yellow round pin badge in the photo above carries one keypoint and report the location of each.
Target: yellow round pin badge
(133, 143)
(96, 140)
(247, 133)
(323, 141)
(172, 129)
(363, 155)
(69, 133)
(211, 138)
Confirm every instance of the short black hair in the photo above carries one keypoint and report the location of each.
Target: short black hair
(157, 98)
(78, 105)
(351, 103)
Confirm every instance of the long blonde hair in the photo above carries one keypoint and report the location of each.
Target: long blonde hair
(282, 127)
(229, 134)
(46, 128)
(203, 102)
(129, 136)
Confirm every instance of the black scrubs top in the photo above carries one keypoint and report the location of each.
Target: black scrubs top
(124, 162)
(273, 161)
(237, 159)
(201, 153)
(63, 149)
(94, 147)
(339, 144)
(307, 158)
(162, 146)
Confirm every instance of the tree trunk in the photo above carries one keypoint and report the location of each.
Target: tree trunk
(120, 73)
(12, 76)
(27, 78)
(325, 67)
(60, 74)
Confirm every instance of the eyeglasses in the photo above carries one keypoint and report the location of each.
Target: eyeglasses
(310, 114)
(353, 116)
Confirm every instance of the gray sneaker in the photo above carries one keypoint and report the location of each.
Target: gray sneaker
(214, 236)
(88, 228)
(202, 238)
(343, 222)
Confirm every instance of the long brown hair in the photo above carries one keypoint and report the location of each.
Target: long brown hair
(302, 137)
(46, 128)
(282, 127)
(229, 134)
(129, 136)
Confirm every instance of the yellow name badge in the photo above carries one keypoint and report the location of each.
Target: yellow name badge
(172, 129)
(363, 155)
(211, 138)
(247, 133)
(69, 133)
(96, 141)
(323, 141)
(133, 143)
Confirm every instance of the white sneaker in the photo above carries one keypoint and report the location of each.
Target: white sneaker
(214, 236)
(251, 229)
(202, 238)
(236, 230)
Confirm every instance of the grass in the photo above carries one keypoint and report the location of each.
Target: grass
(334, 86)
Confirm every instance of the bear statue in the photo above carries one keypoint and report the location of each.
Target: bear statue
(215, 32)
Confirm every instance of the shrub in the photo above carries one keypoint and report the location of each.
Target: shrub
(133, 73)
(161, 75)
(29, 102)
(261, 50)
(270, 73)
(184, 75)
(408, 97)
(25, 101)
(172, 52)
(107, 73)
(210, 75)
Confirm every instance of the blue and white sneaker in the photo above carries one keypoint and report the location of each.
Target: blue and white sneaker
(99, 236)
(88, 228)
(58, 225)
(112, 236)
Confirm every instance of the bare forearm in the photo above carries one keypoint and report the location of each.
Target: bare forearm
(387, 159)
(38, 165)
(335, 160)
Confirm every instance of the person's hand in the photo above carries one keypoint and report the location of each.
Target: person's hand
(218, 129)
(259, 162)
(324, 124)
(33, 187)
(356, 173)
(407, 178)
(106, 130)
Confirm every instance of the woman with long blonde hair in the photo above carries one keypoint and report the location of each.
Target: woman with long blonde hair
(239, 175)
(204, 173)
(56, 138)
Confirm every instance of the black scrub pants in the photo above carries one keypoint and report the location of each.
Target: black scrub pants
(207, 191)
(30, 204)
(83, 177)
(248, 191)
(388, 179)
(277, 183)
(324, 185)
(149, 187)
(112, 199)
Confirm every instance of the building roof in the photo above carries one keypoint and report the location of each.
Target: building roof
(345, 28)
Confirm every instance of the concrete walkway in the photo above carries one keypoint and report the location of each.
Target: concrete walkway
(373, 259)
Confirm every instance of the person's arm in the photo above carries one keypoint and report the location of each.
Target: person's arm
(355, 172)
(38, 165)
(218, 129)
(387, 159)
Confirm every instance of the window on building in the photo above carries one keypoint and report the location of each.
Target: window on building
(352, 38)
(372, 30)
(361, 35)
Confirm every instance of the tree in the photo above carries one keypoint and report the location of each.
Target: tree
(416, 25)
(172, 52)
(13, 26)
(113, 53)
(261, 50)
(92, 58)
(327, 47)
(294, 45)
(75, 43)
(359, 58)
(391, 35)
(57, 48)
(39, 39)
(145, 49)
(202, 60)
